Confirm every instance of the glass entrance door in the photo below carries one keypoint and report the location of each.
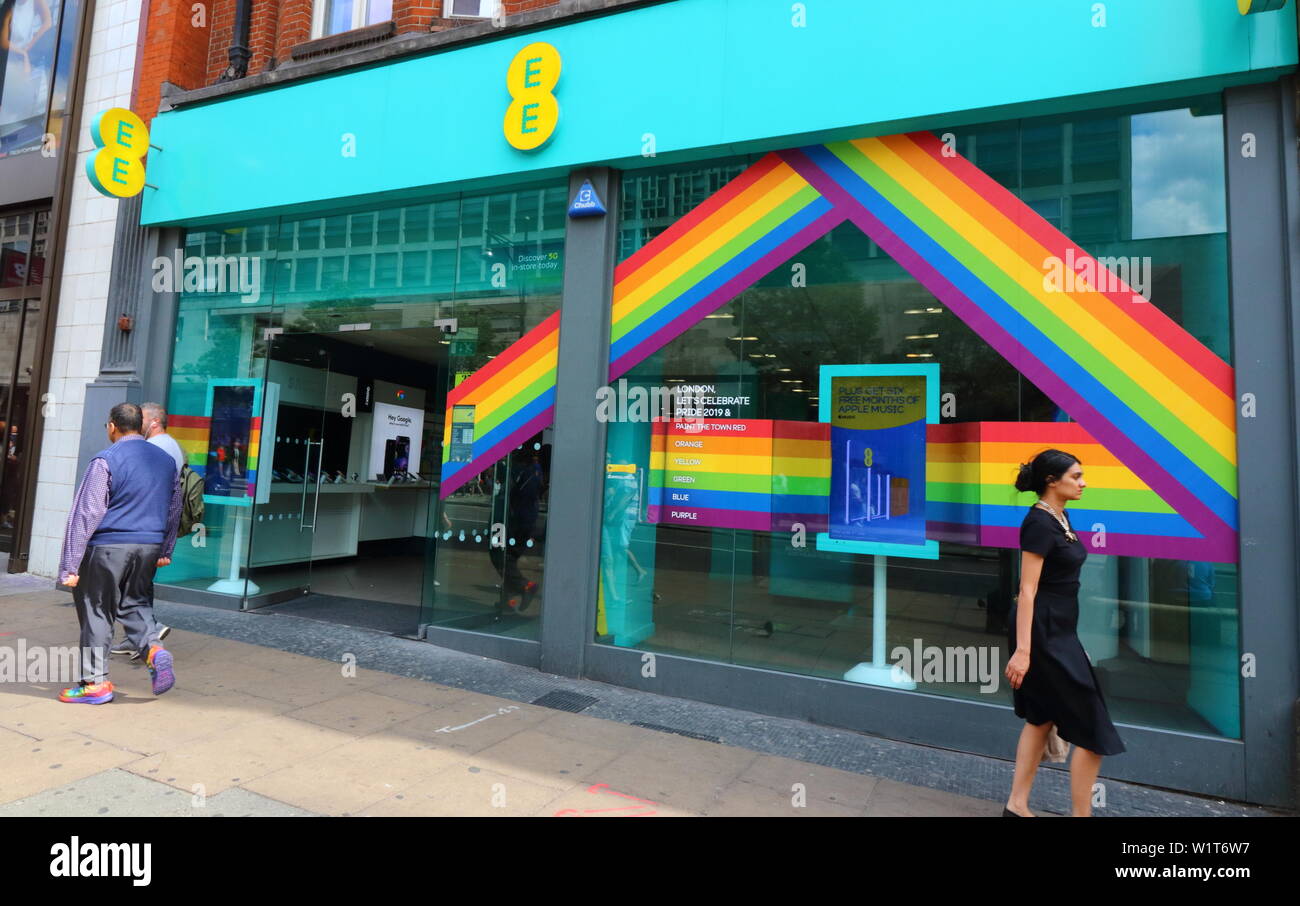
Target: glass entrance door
(352, 424)
(303, 434)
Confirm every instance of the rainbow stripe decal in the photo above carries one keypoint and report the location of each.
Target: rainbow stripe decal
(1154, 398)
(744, 230)
(755, 474)
(191, 433)
(970, 468)
(732, 239)
(513, 398)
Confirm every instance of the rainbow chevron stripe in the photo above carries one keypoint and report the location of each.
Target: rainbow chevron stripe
(744, 230)
(737, 235)
(1134, 379)
(1148, 394)
(513, 398)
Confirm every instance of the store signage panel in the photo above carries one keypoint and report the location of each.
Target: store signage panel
(714, 472)
(533, 113)
(621, 108)
(117, 168)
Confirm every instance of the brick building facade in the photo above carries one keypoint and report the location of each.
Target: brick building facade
(188, 43)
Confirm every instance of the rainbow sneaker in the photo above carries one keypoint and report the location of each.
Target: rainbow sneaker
(160, 668)
(88, 694)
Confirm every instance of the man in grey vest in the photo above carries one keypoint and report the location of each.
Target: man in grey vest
(121, 529)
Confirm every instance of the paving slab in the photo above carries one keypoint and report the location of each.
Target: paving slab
(350, 778)
(467, 791)
(121, 794)
(238, 756)
(34, 765)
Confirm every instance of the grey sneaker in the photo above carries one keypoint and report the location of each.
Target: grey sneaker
(124, 647)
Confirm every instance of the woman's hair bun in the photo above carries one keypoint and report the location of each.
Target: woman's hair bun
(1047, 466)
(1025, 477)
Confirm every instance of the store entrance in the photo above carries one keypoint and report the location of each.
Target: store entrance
(352, 434)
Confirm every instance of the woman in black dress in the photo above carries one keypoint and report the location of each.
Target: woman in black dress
(1053, 681)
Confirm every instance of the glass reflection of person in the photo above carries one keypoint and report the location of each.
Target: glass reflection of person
(22, 24)
(523, 507)
(1053, 683)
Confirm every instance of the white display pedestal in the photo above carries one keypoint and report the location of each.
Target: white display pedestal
(879, 672)
(232, 584)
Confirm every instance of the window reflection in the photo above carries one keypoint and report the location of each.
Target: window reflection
(29, 42)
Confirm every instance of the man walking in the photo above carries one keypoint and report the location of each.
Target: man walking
(121, 529)
(154, 431)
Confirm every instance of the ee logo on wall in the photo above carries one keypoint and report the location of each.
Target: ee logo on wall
(533, 114)
(1246, 7)
(122, 139)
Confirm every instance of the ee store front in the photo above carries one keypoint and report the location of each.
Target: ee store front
(759, 416)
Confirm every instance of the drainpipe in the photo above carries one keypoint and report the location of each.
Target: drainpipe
(239, 53)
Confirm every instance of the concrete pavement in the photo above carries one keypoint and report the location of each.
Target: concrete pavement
(255, 730)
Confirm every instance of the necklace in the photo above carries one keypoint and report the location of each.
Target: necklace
(1060, 518)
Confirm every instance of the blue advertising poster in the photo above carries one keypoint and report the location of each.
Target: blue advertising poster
(878, 416)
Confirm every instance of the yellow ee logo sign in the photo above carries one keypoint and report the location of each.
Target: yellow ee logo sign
(533, 114)
(122, 138)
(1246, 7)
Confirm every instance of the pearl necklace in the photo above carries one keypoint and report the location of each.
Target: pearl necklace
(1065, 526)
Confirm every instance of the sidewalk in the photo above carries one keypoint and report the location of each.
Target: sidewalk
(254, 730)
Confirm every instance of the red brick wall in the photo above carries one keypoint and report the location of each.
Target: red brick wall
(295, 26)
(415, 15)
(521, 6)
(222, 14)
(175, 50)
(262, 34)
(178, 52)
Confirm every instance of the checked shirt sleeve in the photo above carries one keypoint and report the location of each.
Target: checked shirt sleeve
(173, 519)
(88, 509)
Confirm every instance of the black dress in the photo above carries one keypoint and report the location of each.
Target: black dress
(1060, 685)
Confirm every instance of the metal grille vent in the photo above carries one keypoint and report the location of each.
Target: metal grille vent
(563, 700)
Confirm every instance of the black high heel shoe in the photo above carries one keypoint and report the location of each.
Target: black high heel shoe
(1007, 813)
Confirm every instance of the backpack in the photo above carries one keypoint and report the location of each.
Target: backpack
(191, 499)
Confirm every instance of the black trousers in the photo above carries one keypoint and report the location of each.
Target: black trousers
(115, 584)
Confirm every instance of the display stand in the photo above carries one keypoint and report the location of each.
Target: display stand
(232, 584)
(879, 672)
